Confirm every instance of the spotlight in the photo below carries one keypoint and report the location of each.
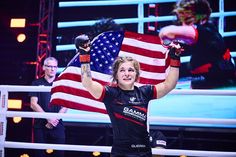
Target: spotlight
(17, 119)
(17, 23)
(21, 37)
(24, 155)
(96, 153)
(49, 151)
(14, 104)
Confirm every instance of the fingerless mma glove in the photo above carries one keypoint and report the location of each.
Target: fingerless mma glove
(81, 43)
(174, 58)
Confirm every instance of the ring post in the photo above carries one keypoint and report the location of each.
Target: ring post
(3, 119)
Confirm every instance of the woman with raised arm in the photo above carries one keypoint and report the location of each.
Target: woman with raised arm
(127, 104)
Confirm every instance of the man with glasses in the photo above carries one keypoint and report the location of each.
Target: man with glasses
(49, 130)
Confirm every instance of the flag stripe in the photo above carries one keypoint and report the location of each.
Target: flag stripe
(142, 51)
(74, 73)
(144, 59)
(77, 105)
(155, 69)
(73, 91)
(149, 39)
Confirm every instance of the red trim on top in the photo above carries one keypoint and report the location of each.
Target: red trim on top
(119, 116)
(154, 92)
(141, 108)
(103, 94)
(226, 55)
(202, 69)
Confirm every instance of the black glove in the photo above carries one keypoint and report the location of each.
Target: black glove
(82, 41)
(82, 44)
(174, 54)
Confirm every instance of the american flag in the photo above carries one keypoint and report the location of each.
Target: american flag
(68, 91)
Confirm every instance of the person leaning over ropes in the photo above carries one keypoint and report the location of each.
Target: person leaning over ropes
(126, 103)
(210, 64)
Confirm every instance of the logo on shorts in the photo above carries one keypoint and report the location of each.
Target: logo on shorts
(138, 146)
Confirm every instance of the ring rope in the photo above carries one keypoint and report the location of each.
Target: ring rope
(13, 88)
(203, 92)
(107, 149)
(104, 117)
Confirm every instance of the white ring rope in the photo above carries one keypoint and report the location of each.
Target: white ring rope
(13, 88)
(203, 92)
(104, 117)
(107, 149)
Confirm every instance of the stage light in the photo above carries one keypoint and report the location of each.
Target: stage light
(24, 155)
(96, 153)
(49, 151)
(21, 37)
(17, 22)
(17, 119)
(14, 104)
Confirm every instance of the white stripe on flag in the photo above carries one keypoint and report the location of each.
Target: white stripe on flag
(144, 59)
(143, 45)
(78, 99)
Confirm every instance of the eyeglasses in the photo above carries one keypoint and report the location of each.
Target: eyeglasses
(50, 66)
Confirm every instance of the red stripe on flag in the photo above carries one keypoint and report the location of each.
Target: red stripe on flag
(152, 68)
(143, 52)
(149, 81)
(69, 76)
(128, 119)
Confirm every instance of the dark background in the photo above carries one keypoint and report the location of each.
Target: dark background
(15, 70)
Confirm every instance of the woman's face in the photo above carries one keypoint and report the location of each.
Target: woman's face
(126, 76)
